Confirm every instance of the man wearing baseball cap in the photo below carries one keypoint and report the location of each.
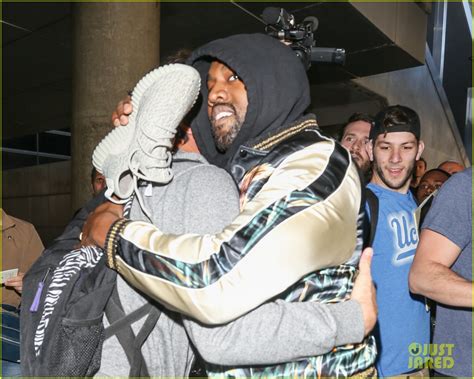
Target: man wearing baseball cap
(403, 322)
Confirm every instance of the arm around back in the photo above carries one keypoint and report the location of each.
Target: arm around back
(299, 221)
(278, 332)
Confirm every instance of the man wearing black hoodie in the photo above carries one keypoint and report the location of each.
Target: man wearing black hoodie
(298, 236)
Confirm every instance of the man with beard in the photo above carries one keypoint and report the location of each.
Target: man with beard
(394, 148)
(298, 236)
(355, 136)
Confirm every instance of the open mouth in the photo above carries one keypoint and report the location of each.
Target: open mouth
(222, 115)
(395, 171)
(222, 111)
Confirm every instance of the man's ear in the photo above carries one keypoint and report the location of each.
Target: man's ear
(370, 150)
(421, 147)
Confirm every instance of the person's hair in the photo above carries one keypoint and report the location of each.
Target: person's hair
(358, 116)
(179, 56)
(94, 173)
(450, 161)
(396, 116)
(181, 134)
(414, 171)
(448, 175)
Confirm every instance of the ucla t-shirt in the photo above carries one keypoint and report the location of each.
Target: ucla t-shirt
(402, 319)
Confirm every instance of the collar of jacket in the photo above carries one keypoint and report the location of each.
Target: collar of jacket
(7, 221)
(250, 154)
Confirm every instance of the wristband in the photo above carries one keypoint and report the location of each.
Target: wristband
(112, 239)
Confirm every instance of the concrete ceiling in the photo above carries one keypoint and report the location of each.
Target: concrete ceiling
(37, 51)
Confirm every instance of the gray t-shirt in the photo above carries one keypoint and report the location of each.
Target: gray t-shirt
(451, 216)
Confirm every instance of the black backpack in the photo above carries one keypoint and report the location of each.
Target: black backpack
(65, 296)
(371, 224)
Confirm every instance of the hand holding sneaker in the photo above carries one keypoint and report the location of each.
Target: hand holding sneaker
(121, 113)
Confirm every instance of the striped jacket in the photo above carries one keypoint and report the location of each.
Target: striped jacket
(298, 237)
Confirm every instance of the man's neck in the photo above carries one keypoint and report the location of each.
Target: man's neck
(379, 182)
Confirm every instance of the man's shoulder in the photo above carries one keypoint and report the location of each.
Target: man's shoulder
(304, 130)
(22, 225)
(194, 169)
(458, 181)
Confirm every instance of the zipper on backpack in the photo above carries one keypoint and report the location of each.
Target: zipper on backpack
(39, 291)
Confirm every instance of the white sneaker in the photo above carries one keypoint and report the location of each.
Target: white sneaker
(142, 149)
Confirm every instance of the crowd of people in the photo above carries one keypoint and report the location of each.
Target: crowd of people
(262, 256)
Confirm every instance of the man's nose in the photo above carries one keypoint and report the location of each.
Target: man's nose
(395, 157)
(356, 146)
(218, 94)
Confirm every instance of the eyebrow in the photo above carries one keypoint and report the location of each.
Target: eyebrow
(353, 134)
(392, 143)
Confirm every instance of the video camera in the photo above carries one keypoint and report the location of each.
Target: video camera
(300, 37)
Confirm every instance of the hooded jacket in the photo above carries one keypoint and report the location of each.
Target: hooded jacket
(277, 91)
(298, 235)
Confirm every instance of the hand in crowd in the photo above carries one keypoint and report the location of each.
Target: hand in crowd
(121, 113)
(99, 222)
(16, 282)
(364, 291)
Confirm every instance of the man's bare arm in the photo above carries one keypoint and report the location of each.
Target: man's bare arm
(430, 273)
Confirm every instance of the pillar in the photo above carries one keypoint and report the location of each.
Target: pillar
(114, 44)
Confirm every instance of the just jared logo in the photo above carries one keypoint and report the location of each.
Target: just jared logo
(430, 355)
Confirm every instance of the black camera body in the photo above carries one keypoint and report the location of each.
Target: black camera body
(300, 37)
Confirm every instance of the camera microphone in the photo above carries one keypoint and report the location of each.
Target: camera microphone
(313, 21)
(278, 17)
(328, 55)
(300, 37)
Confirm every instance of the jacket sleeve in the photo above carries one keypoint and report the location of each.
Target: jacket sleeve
(33, 249)
(278, 332)
(302, 219)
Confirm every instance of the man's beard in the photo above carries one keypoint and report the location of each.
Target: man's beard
(387, 182)
(224, 140)
(364, 165)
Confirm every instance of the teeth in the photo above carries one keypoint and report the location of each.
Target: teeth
(222, 115)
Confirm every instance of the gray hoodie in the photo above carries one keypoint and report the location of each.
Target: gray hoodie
(203, 199)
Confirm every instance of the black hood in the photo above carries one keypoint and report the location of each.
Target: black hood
(276, 82)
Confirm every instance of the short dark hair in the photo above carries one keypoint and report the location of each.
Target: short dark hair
(358, 116)
(424, 161)
(179, 56)
(448, 175)
(94, 173)
(396, 118)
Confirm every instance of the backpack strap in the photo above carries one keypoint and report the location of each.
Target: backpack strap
(137, 370)
(373, 203)
(121, 324)
(121, 327)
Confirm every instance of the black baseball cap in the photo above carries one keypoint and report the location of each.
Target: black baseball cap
(396, 118)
